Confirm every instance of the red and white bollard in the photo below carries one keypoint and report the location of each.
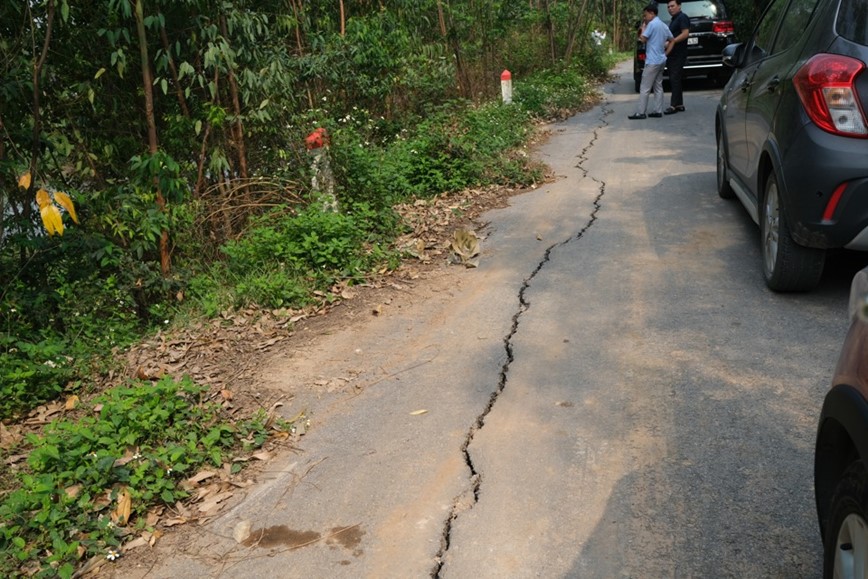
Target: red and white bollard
(323, 181)
(506, 86)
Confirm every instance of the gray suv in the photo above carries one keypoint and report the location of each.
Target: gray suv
(792, 135)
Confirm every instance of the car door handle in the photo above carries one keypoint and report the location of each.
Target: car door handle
(745, 85)
(773, 83)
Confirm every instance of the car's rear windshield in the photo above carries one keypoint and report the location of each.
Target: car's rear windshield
(853, 21)
(708, 9)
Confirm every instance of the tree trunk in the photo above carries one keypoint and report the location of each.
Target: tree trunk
(550, 30)
(153, 146)
(203, 153)
(579, 18)
(182, 102)
(571, 31)
(460, 70)
(37, 115)
(238, 127)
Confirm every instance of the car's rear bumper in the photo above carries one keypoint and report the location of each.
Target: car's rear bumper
(814, 167)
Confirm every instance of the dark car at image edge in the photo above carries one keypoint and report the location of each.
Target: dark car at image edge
(711, 30)
(792, 135)
(841, 452)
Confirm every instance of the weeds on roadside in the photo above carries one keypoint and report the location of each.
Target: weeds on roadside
(89, 483)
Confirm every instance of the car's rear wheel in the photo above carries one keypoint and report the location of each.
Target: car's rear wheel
(846, 541)
(723, 187)
(788, 266)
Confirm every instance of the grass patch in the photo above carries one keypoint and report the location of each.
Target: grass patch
(89, 484)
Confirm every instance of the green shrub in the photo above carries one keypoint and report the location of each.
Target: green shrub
(144, 439)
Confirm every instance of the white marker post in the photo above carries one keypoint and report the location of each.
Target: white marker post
(506, 86)
(323, 181)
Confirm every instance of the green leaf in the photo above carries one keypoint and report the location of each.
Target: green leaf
(99, 73)
(64, 10)
(164, 84)
(66, 571)
(263, 104)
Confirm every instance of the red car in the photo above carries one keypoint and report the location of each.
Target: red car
(840, 472)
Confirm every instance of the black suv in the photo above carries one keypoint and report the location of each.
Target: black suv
(792, 135)
(711, 31)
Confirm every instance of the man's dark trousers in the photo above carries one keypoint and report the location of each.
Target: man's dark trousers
(675, 64)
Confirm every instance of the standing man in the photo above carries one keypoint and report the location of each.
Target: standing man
(656, 37)
(679, 26)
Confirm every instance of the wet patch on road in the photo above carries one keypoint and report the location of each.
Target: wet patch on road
(281, 536)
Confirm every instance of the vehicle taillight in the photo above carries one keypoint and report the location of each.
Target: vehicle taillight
(722, 27)
(642, 56)
(826, 87)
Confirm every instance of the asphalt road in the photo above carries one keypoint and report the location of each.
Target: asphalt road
(612, 393)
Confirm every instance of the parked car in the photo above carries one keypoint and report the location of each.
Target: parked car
(792, 135)
(711, 30)
(840, 472)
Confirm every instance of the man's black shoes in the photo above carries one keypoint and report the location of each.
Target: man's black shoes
(637, 116)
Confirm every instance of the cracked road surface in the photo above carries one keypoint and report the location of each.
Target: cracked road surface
(612, 393)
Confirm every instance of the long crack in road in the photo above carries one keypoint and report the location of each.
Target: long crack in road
(470, 498)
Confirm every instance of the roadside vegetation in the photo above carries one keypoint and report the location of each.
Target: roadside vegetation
(155, 170)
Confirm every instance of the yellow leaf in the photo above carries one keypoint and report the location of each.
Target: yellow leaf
(42, 198)
(121, 516)
(24, 180)
(418, 412)
(71, 402)
(52, 220)
(64, 201)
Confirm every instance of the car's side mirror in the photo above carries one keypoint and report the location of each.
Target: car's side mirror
(733, 55)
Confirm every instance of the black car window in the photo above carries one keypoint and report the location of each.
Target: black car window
(795, 21)
(707, 9)
(764, 36)
(853, 21)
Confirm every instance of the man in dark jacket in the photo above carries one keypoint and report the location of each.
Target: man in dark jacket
(679, 26)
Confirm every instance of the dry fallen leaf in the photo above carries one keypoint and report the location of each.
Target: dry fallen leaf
(418, 412)
(9, 437)
(136, 543)
(121, 514)
(465, 248)
(16, 458)
(262, 455)
(242, 531)
(71, 402)
(213, 503)
(201, 476)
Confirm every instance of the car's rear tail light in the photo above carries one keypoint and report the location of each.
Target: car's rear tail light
(826, 87)
(723, 27)
(642, 56)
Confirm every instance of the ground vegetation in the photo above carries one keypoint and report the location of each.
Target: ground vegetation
(232, 166)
